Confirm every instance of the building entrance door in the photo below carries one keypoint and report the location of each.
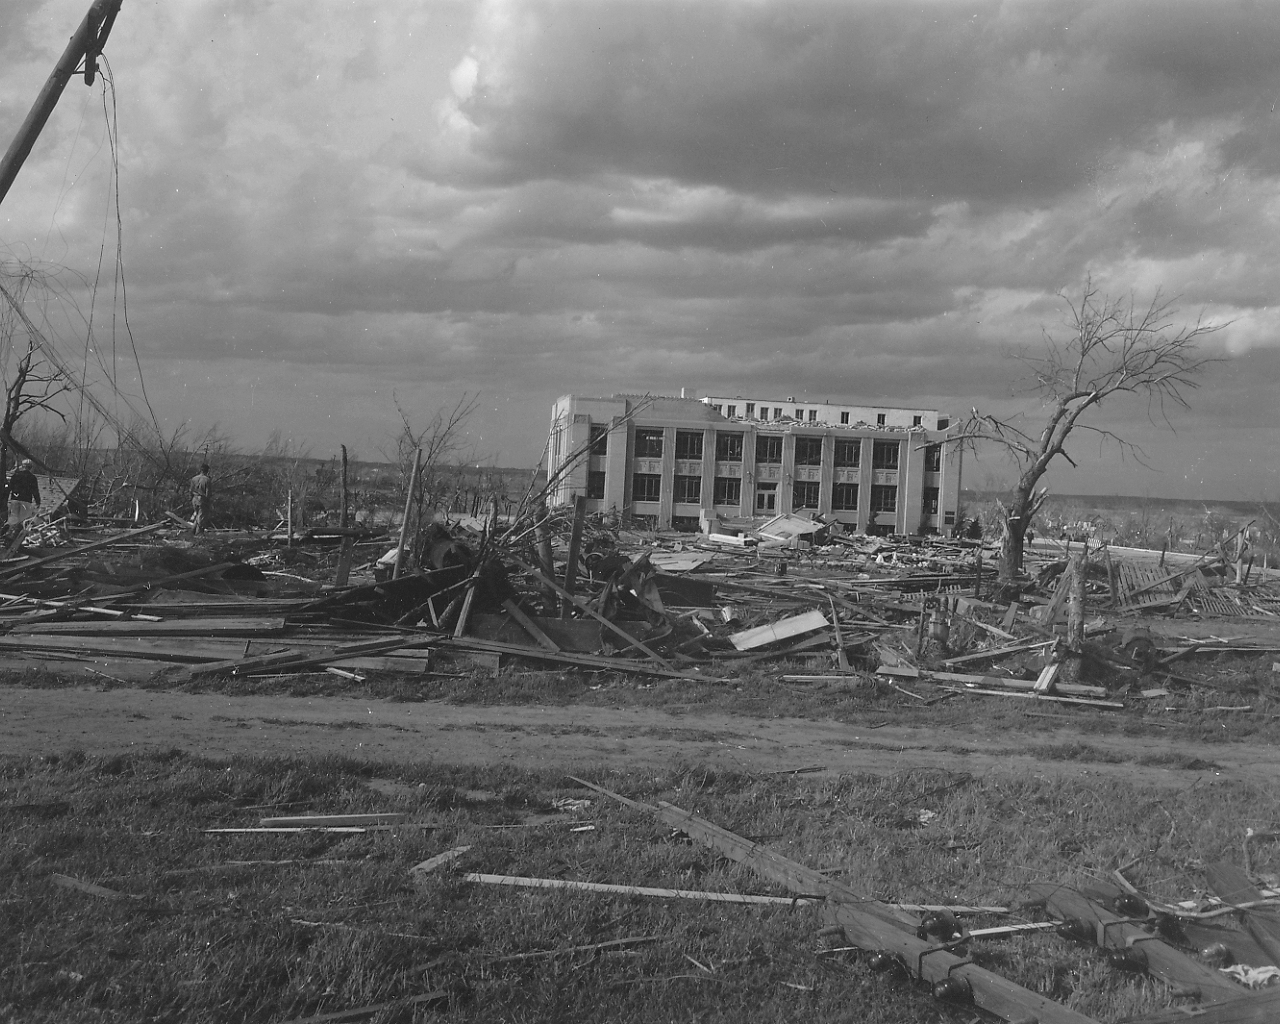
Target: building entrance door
(766, 497)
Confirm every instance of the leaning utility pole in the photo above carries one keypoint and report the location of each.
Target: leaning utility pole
(86, 44)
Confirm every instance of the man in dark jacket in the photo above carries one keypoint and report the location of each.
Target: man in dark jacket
(24, 494)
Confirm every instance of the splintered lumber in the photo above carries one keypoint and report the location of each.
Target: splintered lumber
(632, 890)
(1261, 1008)
(783, 629)
(1231, 885)
(438, 861)
(59, 556)
(1116, 932)
(577, 602)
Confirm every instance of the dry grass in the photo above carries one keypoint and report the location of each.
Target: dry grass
(211, 945)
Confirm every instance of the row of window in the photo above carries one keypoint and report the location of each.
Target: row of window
(729, 448)
(805, 494)
(749, 412)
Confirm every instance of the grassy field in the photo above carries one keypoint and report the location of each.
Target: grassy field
(193, 941)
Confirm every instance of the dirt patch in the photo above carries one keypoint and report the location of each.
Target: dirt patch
(37, 721)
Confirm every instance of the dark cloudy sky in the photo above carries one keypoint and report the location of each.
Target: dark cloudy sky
(327, 203)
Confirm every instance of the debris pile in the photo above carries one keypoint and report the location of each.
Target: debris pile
(924, 616)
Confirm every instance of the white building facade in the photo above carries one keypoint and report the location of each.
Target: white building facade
(675, 461)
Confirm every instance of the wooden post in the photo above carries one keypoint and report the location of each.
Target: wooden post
(1077, 567)
(543, 537)
(408, 505)
(575, 550)
(288, 519)
(977, 573)
(343, 520)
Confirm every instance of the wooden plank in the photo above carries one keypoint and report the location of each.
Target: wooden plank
(1112, 704)
(231, 625)
(67, 882)
(1231, 885)
(1163, 960)
(634, 890)
(311, 820)
(783, 629)
(294, 661)
(1076, 689)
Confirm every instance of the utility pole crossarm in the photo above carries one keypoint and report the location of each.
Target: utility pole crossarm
(86, 44)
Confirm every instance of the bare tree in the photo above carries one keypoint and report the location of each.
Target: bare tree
(1115, 347)
(30, 383)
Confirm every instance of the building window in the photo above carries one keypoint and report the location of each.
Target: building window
(685, 524)
(751, 409)
(595, 484)
(646, 487)
(728, 490)
(813, 415)
(849, 453)
(768, 448)
(944, 422)
(929, 506)
(884, 454)
(728, 447)
(599, 439)
(799, 414)
(688, 444)
(808, 451)
(731, 411)
(948, 518)
(933, 459)
(804, 494)
(649, 443)
(916, 420)
(688, 489)
(844, 419)
(844, 498)
(777, 414)
(717, 408)
(879, 419)
(884, 497)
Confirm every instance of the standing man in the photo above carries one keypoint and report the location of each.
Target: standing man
(24, 493)
(201, 493)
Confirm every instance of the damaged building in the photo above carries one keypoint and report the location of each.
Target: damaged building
(682, 462)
